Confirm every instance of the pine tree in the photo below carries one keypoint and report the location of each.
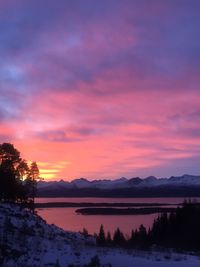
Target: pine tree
(85, 232)
(118, 238)
(11, 186)
(108, 239)
(101, 237)
(17, 180)
(31, 183)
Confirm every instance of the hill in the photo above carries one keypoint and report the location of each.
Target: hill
(27, 240)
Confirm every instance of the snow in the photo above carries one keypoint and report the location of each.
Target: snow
(39, 244)
(151, 181)
(144, 259)
(81, 183)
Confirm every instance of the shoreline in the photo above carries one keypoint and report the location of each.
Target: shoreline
(129, 211)
(102, 204)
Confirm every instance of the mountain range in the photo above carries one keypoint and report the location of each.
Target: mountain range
(184, 186)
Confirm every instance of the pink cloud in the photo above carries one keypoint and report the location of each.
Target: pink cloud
(111, 88)
(107, 136)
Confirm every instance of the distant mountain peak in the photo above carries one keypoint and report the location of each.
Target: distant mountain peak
(151, 178)
(80, 179)
(122, 183)
(122, 179)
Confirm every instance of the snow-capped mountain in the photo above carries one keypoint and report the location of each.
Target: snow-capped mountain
(136, 182)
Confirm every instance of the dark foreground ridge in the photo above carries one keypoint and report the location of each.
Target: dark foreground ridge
(129, 211)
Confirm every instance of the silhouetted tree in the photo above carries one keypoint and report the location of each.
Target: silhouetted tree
(101, 239)
(31, 181)
(179, 229)
(85, 232)
(108, 239)
(9, 182)
(17, 180)
(132, 239)
(118, 238)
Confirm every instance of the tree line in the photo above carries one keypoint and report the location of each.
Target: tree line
(179, 229)
(18, 179)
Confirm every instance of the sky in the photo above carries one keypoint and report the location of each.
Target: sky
(102, 88)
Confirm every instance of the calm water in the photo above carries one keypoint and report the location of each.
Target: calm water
(67, 219)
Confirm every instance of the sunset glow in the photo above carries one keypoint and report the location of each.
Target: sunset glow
(102, 89)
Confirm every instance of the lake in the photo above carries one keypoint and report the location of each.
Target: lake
(68, 219)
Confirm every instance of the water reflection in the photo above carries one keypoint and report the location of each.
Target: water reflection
(67, 219)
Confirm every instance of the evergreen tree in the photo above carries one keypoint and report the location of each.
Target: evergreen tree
(132, 238)
(108, 239)
(118, 238)
(85, 232)
(9, 182)
(17, 180)
(31, 181)
(101, 239)
(142, 232)
(180, 229)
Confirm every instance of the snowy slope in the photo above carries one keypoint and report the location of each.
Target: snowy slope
(30, 241)
(26, 240)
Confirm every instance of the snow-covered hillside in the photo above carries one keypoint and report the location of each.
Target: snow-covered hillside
(27, 241)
